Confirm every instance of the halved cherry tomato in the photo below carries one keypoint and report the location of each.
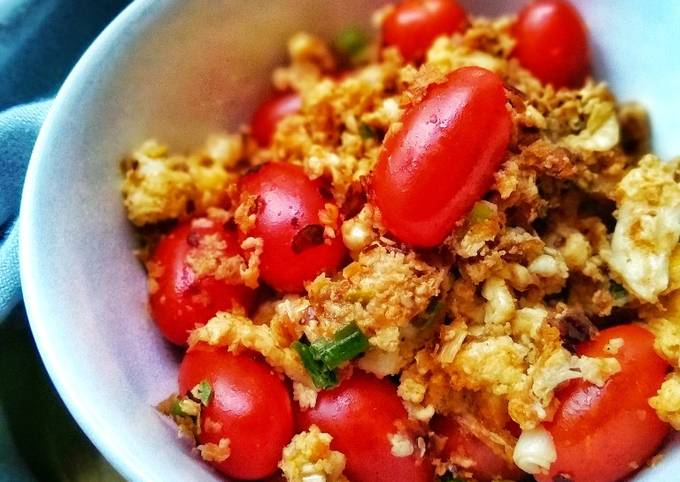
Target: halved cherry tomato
(552, 42)
(488, 465)
(270, 113)
(603, 434)
(360, 414)
(442, 158)
(250, 405)
(179, 299)
(295, 248)
(413, 25)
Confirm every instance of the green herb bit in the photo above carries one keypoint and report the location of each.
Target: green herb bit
(350, 42)
(481, 211)
(176, 409)
(367, 132)
(433, 311)
(322, 357)
(321, 376)
(617, 291)
(203, 391)
(347, 343)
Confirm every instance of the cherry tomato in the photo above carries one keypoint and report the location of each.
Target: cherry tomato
(442, 159)
(250, 405)
(360, 414)
(552, 42)
(295, 249)
(181, 300)
(602, 434)
(488, 465)
(269, 114)
(413, 25)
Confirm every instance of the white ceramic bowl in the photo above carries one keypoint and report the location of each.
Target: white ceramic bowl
(177, 70)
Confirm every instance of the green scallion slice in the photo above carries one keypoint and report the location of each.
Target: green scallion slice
(176, 409)
(322, 357)
(617, 291)
(350, 42)
(481, 211)
(367, 132)
(347, 343)
(321, 376)
(433, 312)
(204, 392)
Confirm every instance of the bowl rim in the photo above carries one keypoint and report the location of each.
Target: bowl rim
(38, 312)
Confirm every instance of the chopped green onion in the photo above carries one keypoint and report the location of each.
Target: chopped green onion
(350, 42)
(322, 357)
(203, 391)
(617, 291)
(321, 376)
(481, 211)
(176, 409)
(347, 343)
(367, 132)
(433, 311)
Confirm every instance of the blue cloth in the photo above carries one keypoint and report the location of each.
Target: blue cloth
(40, 41)
(19, 127)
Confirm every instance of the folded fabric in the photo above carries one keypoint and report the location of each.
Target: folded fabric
(19, 128)
(40, 41)
(10, 288)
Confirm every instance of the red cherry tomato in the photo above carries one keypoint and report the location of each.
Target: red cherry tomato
(414, 24)
(360, 414)
(602, 434)
(250, 405)
(442, 159)
(183, 300)
(269, 114)
(288, 203)
(488, 465)
(552, 42)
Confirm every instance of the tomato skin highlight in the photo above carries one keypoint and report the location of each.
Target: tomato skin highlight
(288, 202)
(487, 466)
(442, 160)
(268, 114)
(552, 42)
(183, 300)
(359, 414)
(413, 25)
(600, 433)
(249, 401)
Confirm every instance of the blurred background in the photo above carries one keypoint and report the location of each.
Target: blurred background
(40, 42)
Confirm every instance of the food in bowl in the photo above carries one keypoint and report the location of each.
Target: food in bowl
(447, 253)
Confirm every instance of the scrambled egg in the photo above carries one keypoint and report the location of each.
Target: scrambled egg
(309, 458)
(667, 401)
(366, 293)
(160, 187)
(648, 227)
(237, 332)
